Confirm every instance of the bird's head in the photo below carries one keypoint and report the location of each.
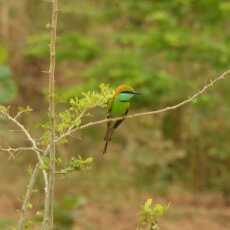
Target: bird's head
(125, 93)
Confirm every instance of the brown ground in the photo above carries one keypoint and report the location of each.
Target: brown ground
(116, 207)
(179, 216)
(186, 213)
(185, 218)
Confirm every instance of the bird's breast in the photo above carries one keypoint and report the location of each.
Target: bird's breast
(119, 108)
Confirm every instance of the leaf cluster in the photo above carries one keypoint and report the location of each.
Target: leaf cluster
(77, 164)
(150, 215)
(79, 107)
(71, 46)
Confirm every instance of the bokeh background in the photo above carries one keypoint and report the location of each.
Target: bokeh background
(165, 49)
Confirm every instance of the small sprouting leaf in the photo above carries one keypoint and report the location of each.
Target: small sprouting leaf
(148, 204)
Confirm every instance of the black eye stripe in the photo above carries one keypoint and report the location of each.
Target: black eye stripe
(129, 92)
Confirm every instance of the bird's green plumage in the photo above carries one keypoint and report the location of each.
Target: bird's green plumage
(118, 107)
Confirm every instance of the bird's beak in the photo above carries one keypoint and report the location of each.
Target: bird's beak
(136, 93)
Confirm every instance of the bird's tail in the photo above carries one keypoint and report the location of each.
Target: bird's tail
(105, 147)
(107, 138)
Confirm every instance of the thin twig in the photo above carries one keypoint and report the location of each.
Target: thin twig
(19, 114)
(19, 149)
(12, 150)
(24, 130)
(26, 200)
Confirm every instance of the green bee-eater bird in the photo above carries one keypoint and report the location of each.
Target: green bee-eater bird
(118, 107)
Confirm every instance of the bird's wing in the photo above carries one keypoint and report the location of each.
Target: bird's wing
(111, 126)
(117, 123)
(109, 123)
(109, 129)
(109, 106)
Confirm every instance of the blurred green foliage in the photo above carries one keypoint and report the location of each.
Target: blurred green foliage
(152, 45)
(7, 86)
(127, 66)
(71, 46)
(64, 212)
(4, 223)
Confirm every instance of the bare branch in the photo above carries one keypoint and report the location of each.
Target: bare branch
(154, 112)
(23, 129)
(27, 134)
(27, 197)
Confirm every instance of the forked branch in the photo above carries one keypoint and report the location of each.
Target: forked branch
(5, 113)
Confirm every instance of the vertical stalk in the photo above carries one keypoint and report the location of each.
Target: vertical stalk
(52, 110)
(52, 156)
